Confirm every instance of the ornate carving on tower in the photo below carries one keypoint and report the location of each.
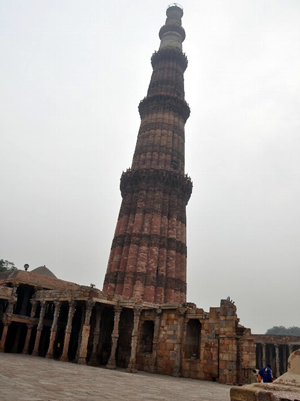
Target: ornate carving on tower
(148, 254)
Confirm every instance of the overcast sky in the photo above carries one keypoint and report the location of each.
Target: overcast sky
(72, 73)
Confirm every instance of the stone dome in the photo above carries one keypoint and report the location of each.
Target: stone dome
(44, 271)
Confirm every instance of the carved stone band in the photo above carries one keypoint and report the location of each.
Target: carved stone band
(143, 178)
(158, 103)
(150, 240)
(146, 279)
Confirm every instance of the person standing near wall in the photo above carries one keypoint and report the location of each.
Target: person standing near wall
(266, 374)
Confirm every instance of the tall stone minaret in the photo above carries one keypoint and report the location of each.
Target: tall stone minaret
(148, 255)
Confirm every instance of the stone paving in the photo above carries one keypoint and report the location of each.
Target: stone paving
(28, 378)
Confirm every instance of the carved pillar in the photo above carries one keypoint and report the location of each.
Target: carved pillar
(29, 326)
(85, 332)
(39, 329)
(134, 340)
(27, 340)
(7, 319)
(114, 338)
(153, 366)
(4, 335)
(177, 368)
(57, 305)
(68, 331)
(264, 359)
(277, 365)
(80, 332)
(93, 359)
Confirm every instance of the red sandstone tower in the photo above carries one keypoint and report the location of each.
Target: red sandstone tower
(148, 255)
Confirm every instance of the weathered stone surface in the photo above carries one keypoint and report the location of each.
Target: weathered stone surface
(292, 376)
(284, 388)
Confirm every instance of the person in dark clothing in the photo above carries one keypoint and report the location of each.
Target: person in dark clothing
(266, 374)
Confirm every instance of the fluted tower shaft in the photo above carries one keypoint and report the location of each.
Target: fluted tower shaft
(148, 254)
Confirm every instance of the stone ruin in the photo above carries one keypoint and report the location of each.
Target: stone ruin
(284, 388)
(141, 320)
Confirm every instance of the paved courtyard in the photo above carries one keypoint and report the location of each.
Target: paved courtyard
(27, 378)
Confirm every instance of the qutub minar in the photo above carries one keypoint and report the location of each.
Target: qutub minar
(141, 320)
(148, 255)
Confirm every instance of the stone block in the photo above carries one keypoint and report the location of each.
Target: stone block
(193, 367)
(264, 396)
(230, 356)
(231, 365)
(211, 369)
(173, 337)
(207, 355)
(200, 375)
(186, 374)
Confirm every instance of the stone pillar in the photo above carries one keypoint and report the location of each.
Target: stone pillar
(153, 366)
(134, 340)
(290, 349)
(68, 331)
(57, 305)
(85, 333)
(264, 359)
(93, 359)
(114, 338)
(177, 368)
(27, 340)
(80, 332)
(4, 335)
(277, 365)
(39, 329)
(29, 326)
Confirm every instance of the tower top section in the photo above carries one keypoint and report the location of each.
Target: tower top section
(172, 34)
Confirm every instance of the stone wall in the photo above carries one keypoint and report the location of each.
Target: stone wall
(82, 324)
(221, 350)
(167, 346)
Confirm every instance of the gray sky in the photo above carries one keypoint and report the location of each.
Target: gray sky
(72, 73)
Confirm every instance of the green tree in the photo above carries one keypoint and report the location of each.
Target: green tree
(294, 331)
(5, 266)
(283, 331)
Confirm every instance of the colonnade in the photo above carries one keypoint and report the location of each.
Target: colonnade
(89, 307)
(275, 354)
